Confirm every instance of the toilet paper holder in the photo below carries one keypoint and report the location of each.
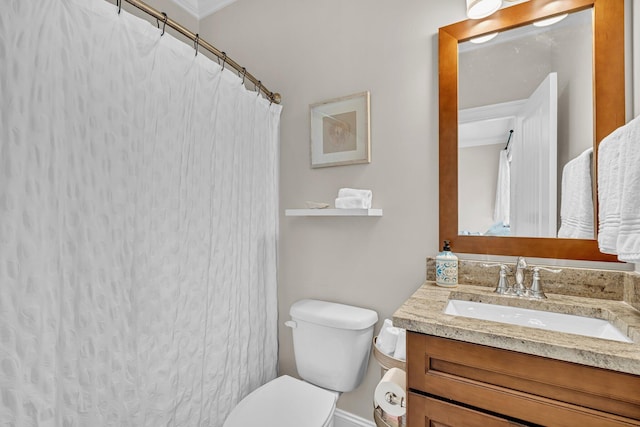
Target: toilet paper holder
(393, 399)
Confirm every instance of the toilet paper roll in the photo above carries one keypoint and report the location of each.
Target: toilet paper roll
(390, 393)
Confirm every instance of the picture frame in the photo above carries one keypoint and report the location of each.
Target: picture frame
(340, 131)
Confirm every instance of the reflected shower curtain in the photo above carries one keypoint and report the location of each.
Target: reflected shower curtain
(138, 224)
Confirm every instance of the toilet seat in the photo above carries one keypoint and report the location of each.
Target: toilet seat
(285, 402)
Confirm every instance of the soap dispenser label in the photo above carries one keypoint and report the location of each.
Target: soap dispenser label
(447, 272)
(446, 267)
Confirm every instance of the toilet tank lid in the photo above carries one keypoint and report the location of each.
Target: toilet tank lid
(333, 314)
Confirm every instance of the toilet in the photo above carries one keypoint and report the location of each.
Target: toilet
(331, 343)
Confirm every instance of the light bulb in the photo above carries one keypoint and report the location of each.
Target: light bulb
(550, 21)
(483, 39)
(477, 9)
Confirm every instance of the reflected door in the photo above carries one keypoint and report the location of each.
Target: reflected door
(534, 154)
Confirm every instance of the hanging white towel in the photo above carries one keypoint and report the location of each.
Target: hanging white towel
(609, 190)
(503, 190)
(628, 242)
(576, 206)
(618, 192)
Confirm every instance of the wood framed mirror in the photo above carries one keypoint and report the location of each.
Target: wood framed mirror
(608, 114)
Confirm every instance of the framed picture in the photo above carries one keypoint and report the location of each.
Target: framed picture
(340, 131)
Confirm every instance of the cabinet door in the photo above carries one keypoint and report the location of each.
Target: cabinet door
(519, 386)
(428, 412)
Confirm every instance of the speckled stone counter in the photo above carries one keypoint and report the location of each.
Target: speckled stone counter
(424, 312)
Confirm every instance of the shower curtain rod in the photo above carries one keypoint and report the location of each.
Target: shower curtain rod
(161, 17)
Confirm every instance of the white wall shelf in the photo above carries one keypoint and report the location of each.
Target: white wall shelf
(333, 212)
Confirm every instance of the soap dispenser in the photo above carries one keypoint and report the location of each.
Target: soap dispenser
(446, 267)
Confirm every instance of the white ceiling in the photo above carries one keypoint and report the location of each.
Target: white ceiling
(202, 8)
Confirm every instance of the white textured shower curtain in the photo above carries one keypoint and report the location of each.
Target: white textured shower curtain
(138, 224)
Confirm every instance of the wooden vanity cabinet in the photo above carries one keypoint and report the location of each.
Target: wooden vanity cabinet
(458, 384)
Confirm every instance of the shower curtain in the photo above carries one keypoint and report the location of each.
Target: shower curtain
(138, 224)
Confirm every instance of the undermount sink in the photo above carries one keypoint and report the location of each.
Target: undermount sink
(546, 320)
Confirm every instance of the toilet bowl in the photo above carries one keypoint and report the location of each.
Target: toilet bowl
(285, 402)
(331, 344)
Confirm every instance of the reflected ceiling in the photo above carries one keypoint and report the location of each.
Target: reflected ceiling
(202, 8)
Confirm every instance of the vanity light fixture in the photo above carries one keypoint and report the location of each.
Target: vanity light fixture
(483, 39)
(550, 21)
(477, 9)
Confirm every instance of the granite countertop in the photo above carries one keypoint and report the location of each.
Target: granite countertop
(423, 312)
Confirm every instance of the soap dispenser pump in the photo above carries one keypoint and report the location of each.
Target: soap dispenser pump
(446, 267)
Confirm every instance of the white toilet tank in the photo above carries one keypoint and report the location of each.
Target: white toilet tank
(331, 342)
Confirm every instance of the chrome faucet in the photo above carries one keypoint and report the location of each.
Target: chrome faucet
(519, 288)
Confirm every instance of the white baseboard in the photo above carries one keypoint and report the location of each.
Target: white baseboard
(346, 419)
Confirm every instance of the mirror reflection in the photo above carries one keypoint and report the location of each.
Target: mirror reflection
(525, 132)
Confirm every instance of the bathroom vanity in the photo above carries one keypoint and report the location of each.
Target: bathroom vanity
(470, 372)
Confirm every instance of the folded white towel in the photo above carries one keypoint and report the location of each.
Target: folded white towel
(352, 203)
(354, 192)
(618, 190)
(576, 206)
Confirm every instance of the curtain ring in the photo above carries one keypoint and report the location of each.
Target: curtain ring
(164, 23)
(224, 60)
(244, 74)
(196, 43)
(259, 87)
(270, 98)
(119, 6)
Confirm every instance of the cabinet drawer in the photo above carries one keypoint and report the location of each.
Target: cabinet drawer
(522, 386)
(429, 412)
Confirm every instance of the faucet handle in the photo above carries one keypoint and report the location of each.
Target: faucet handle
(535, 291)
(503, 286)
(550, 270)
(490, 264)
(497, 264)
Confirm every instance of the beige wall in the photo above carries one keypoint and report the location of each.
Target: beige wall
(310, 51)
(477, 182)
